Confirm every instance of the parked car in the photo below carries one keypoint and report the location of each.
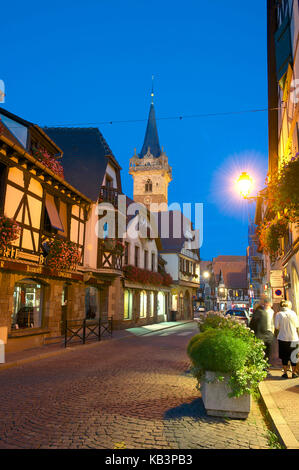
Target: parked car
(241, 314)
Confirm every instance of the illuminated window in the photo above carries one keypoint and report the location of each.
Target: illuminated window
(152, 304)
(27, 299)
(128, 304)
(161, 303)
(143, 304)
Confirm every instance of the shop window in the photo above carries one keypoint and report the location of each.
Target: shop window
(91, 303)
(27, 305)
(152, 304)
(128, 304)
(161, 303)
(143, 304)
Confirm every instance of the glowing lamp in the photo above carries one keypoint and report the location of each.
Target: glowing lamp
(244, 184)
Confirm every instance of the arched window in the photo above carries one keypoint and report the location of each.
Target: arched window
(28, 304)
(143, 304)
(148, 186)
(128, 304)
(161, 303)
(152, 304)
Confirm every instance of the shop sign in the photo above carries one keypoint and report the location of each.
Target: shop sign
(276, 278)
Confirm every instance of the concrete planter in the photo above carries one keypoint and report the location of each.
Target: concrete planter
(217, 403)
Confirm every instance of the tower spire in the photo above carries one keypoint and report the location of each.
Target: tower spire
(152, 93)
(151, 138)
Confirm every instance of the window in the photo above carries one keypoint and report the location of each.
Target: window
(145, 259)
(153, 261)
(3, 176)
(109, 182)
(91, 303)
(161, 303)
(52, 219)
(128, 304)
(148, 186)
(152, 304)
(136, 255)
(143, 304)
(27, 305)
(127, 253)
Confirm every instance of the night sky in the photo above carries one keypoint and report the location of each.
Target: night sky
(82, 63)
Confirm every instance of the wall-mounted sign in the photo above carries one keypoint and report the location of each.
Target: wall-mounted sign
(276, 278)
(278, 294)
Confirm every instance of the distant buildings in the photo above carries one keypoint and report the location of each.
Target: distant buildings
(225, 284)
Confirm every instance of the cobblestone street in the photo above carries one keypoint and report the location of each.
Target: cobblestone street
(131, 393)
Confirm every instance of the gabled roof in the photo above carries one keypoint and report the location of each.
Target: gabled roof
(85, 157)
(233, 270)
(151, 139)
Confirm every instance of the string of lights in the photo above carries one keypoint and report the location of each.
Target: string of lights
(167, 118)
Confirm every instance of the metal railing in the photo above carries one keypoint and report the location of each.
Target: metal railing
(84, 330)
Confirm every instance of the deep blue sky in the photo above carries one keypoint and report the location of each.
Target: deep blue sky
(72, 62)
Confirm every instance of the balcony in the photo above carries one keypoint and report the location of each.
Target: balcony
(110, 254)
(108, 194)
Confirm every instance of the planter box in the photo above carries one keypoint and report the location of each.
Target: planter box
(217, 403)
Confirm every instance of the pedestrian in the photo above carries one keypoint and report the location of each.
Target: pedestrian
(261, 326)
(287, 325)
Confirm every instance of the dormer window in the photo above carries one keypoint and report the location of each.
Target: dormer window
(148, 186)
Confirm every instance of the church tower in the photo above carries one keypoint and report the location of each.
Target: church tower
(150, 170)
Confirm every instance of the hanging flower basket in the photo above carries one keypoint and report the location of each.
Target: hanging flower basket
(115, 246)
(283, 190)
(63, 255)
(270, 233)
(48, 160)
(9, 231)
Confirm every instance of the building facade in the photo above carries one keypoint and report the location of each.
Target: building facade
(281, 275)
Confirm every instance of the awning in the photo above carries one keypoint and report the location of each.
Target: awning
(53, 213)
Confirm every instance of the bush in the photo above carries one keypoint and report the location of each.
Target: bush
(218, 350)
(212, 320)
(227, 346)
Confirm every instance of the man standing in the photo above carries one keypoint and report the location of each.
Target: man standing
(262, 325)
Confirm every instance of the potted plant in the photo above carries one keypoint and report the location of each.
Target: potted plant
(228, 363)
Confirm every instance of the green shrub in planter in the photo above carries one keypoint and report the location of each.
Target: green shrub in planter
(231, 348)
(212, 320)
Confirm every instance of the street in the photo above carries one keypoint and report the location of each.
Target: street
(132, 393)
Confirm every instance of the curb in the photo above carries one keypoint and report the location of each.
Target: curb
(284, 433)
(37, 357)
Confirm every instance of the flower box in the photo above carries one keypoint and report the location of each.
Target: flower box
(215, 397)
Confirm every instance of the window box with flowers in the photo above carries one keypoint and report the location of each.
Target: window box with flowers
(113, 245)
(63, 254)
(144, 276)
(9, 231)
(270, 233)
(48, 160)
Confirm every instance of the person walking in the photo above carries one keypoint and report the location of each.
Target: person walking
(287, 325)
(262, 327)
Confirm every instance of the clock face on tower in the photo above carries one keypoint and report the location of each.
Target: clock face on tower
(147, 200)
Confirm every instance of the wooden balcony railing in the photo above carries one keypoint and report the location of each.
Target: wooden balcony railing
(110, 254)
(108, 194)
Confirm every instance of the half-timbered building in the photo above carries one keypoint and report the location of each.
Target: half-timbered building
(49, 212)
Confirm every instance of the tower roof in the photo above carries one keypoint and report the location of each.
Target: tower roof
(151, 139)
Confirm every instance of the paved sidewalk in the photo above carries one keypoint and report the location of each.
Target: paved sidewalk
(50, 350)
(281, 399)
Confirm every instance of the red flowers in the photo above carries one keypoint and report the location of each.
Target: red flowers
(48, 160)
(63, 254)
(143, 276)
(9, 231)
(269, 234)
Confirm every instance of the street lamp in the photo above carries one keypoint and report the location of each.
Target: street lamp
(245, 185)
(206, 275)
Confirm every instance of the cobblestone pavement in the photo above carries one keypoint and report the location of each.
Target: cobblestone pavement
(129, 393)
